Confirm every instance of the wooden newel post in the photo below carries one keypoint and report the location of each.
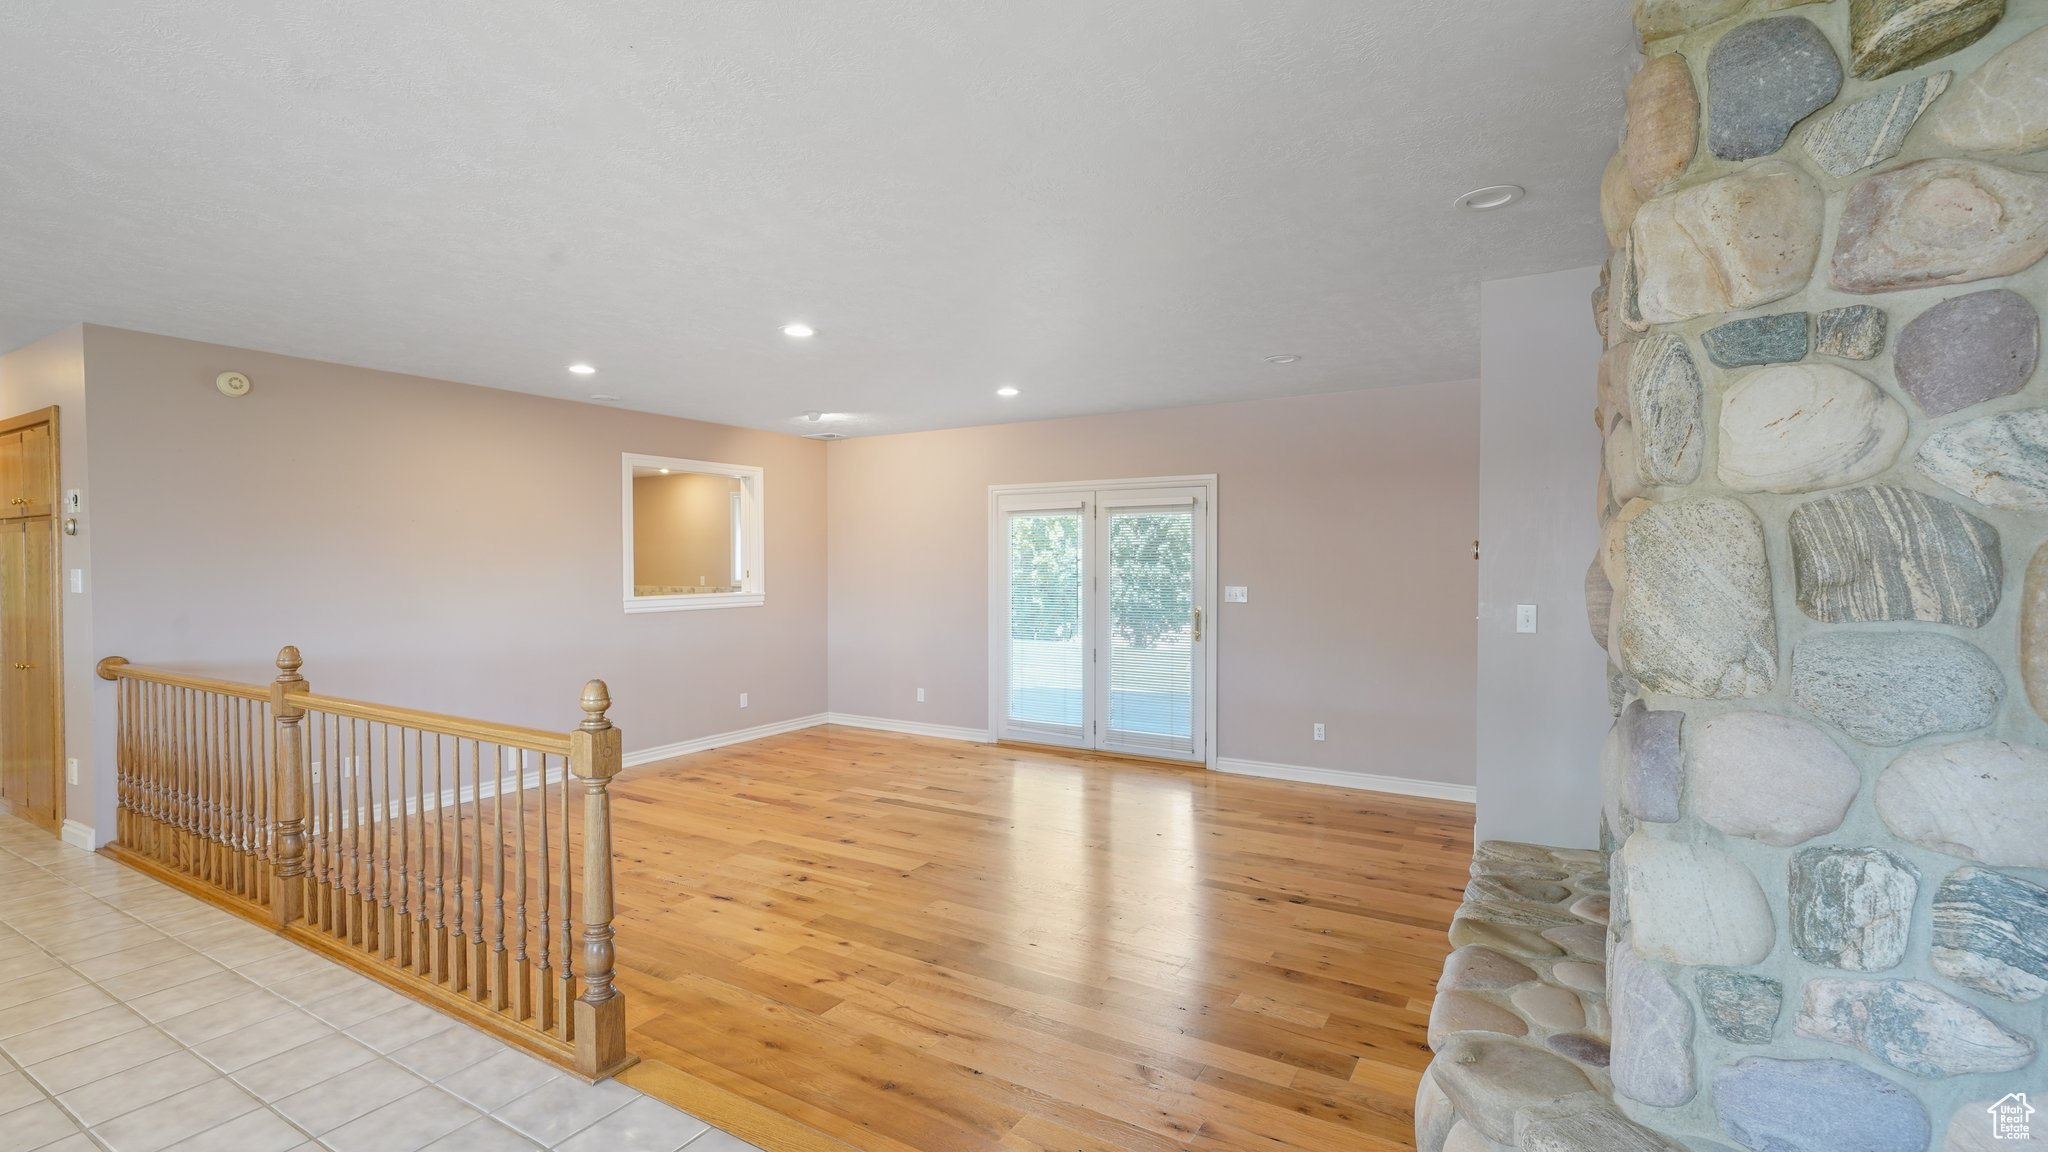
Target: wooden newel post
(601, 1011)
(288, 894)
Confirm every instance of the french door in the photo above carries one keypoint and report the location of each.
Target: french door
(1100, 612)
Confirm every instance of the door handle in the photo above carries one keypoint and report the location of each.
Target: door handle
(1198, 625)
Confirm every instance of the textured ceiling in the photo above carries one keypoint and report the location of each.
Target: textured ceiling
(1111, 204)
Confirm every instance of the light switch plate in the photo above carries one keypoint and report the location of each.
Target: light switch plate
(1236, 594)
(1525, 617)
(78, 579)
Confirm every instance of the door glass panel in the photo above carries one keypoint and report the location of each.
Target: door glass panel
(1151, 628)
(1048, 653)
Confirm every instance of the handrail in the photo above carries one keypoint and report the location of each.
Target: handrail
(117, 668)
(466, 862)
(490, 732)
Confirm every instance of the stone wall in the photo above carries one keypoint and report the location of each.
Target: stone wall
(1823, 589)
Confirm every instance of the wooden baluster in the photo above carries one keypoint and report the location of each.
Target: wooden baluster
(545, 985)
(209, 790)
(422, 945)
(238, 831)
(188, 785)
(480, 963)
(288, 889)
(594, 758)
(458, 945)
(159, 837)
(523, 990)
(501, 969)
(565, 967)
(440, 871)
(337, 829)
(397, 920)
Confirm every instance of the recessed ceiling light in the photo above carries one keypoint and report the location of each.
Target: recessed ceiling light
(1284, 358)
(604, 398)
(582, 369)
(799, 331)
(664, 471)
(1006, 391)
(1491, 197)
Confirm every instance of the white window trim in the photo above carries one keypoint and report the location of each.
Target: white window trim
(754, 510)
(1006, 498)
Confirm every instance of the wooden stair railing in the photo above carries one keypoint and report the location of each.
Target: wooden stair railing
(440, 855)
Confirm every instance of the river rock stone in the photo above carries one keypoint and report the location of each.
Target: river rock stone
(1887, 36)
(2003, 106)
(2000, 461)
(1695, 602)
(1873, 129)
(1938, 222)
(1590, 908)
(1663, 123)
(1777, 779)
(1479, 969)
(1739, 1007)
(1971, 1128)
(1656, 19)
(1588, 1050)
(1779, 339)
(1550, 1006)
(1991, 933)
(1853, 333)
(1967, 350)
(1982, 800)
(1585, 1123)
(1798, 427)
(1599, 602)
(1455, 1012)
(1817, 1106)
(1664, 399)
(1911, 1025)
(1583, 975)
(1619, 202)
(1622, 461)
(2034, 632)
(1585, 941)
(1652, 744)
(1652, 1034)
(1468, 931)
(1852, 907)
(1887, 553)
(1690, 904)
(1763, 78)
(1489, 1079)
(1886, 689)
(1728, 245)
(1434, 1114)
(1465, 1138)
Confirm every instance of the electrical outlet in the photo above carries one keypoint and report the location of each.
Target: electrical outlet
(743, 699)
(71, 771)
(315, 771)
(1319, 731)
(920, 695)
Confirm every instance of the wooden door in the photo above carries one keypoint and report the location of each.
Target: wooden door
(31, 747)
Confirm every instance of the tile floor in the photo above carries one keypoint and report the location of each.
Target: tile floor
(138, 1019)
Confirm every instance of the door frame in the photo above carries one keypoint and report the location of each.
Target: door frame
(60, 783)
(999, 593)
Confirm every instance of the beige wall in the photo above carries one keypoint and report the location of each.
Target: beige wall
(1350, 517)
(428, 543)
(682, 529)
(52, 372)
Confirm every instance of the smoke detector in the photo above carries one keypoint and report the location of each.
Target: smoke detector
(232, 384)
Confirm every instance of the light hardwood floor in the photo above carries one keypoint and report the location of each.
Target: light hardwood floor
(912, 944)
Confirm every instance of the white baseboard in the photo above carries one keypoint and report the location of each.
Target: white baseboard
(909, 728)
(707, 743)
(80, 836)
(1397, 785)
